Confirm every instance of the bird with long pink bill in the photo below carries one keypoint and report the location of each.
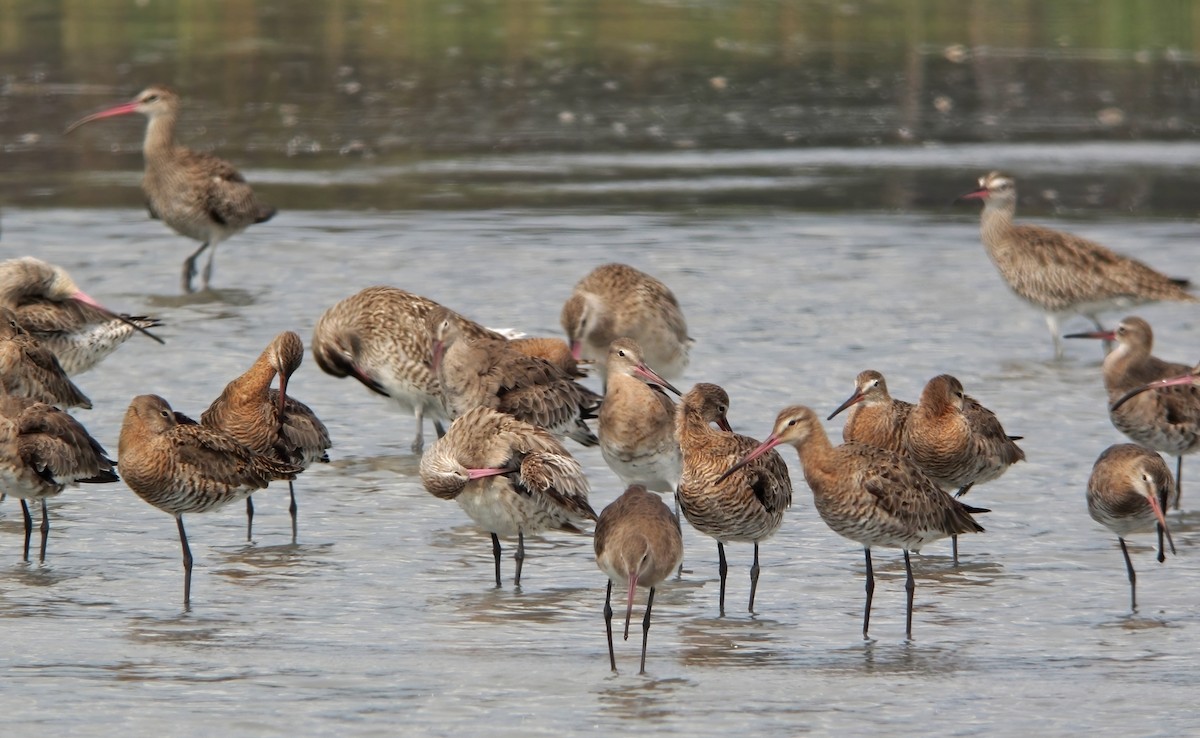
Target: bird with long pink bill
(197, 194)
(510, 477)
(618, 301)
(638, 544)
(1060, 273)
(77, 329)
(1128, 491)
(870, 495)
(43, 450)
(742, 507)
(1167, 420)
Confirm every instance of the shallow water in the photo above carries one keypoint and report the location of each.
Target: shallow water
(383, 620)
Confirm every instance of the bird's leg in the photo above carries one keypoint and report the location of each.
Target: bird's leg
(419, 440)
(28, 526)
(646, 628)
(678, 527)
(964, 489)
(612, 658)
(496, 556)
(954, 547)
(439, 428)
(292, 509)
(519, 556)
(1178, 480)
(754, 578)
(723, 568)
(187, 564)
(189, 268)
(870, 592)
(207, 275)
(249, 518)
(45, 531)
(1132, 576)
(1055, 333)
(910, 587)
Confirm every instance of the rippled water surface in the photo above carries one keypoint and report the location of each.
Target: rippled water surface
(383, 620)
(786, 168)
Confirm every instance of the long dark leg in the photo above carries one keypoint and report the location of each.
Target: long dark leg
(679, 527)
(646, 628)
(189, 268)
(28, 527)
(754, 578)
(954, 547)
(45, 531)
(1178, 481)
(723, 568)
(612, 658)
(964, 489)
(438, 429)
(496, 555)
(519, 556)
(910, 587)
(870, 592)
(1132, 576)
(187, 563)
(292, 509)
(206, 277)
(249, 518)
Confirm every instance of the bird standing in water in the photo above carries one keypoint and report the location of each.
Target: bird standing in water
(197, 194)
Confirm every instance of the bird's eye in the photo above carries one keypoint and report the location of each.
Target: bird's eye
(620, 353)
(150, 98)
(791, 422)
(164, 413)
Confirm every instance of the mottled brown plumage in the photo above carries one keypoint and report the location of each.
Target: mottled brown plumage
(955, 440)
(42, 451)
(874, 418)
(637, 421)
(198, 195)
(380, 336)
(1167, 420)
(74, 327)
(868, 494)
(182, 467)
(554, 350)
(268, 421)
(479, 371)
(1060, 273)
(744, 507)
(617, 301)
(28, 369)
(509, 476)
(638, 544)
(1128, 492)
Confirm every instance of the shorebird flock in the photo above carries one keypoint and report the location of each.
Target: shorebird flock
(506, 410)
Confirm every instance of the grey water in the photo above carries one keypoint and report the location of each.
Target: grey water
(788, 170)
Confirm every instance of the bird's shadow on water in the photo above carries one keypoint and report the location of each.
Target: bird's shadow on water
(404, 464)
(255, 566)
(641, 697)
(514, 604)
(231, 297)
(732, 641)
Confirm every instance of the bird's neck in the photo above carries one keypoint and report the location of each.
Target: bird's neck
(160, 136)
(996, 222)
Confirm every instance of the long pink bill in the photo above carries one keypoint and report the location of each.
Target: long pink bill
(436, 353)
(1104, 335)
(633, 580)
(977, 194)
(481, 473)
(854, 399)
(648, 375)
(283, 380)
(576, 350)
(87, 300)
(1172, 382)
(122, 109)
(1162, 525)
(763, 447)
